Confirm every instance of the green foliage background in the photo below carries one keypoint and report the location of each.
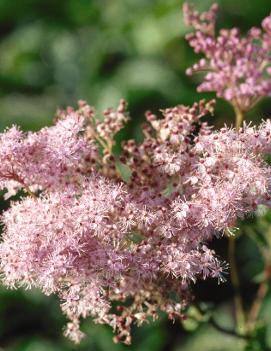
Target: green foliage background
(53, 53)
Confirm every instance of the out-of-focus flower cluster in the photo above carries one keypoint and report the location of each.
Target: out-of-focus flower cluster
(121, 251)
(237, 68)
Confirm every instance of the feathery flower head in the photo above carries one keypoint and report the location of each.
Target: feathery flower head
(93, 239)
(237, 68)
(47, 159)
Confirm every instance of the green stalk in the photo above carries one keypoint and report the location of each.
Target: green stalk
(238, 302)
(239, 116)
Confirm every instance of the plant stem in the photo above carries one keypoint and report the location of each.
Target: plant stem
(260, 295)
(255, 308)
(239, 310)
(239, 116)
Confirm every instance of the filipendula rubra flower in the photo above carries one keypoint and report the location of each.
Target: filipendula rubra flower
(122, 250)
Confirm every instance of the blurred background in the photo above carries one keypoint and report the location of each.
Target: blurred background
(53, 53)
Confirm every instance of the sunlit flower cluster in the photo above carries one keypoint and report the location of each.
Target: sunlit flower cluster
(120, 236)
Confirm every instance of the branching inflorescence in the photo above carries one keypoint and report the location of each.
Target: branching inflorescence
(237, 68)
(122, 247)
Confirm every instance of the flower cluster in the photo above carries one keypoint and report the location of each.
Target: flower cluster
(237, 68)
(121, 251)
(48, 159)
(122, 237)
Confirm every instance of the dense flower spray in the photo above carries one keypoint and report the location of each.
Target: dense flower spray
(237, 68)
(120, 238)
